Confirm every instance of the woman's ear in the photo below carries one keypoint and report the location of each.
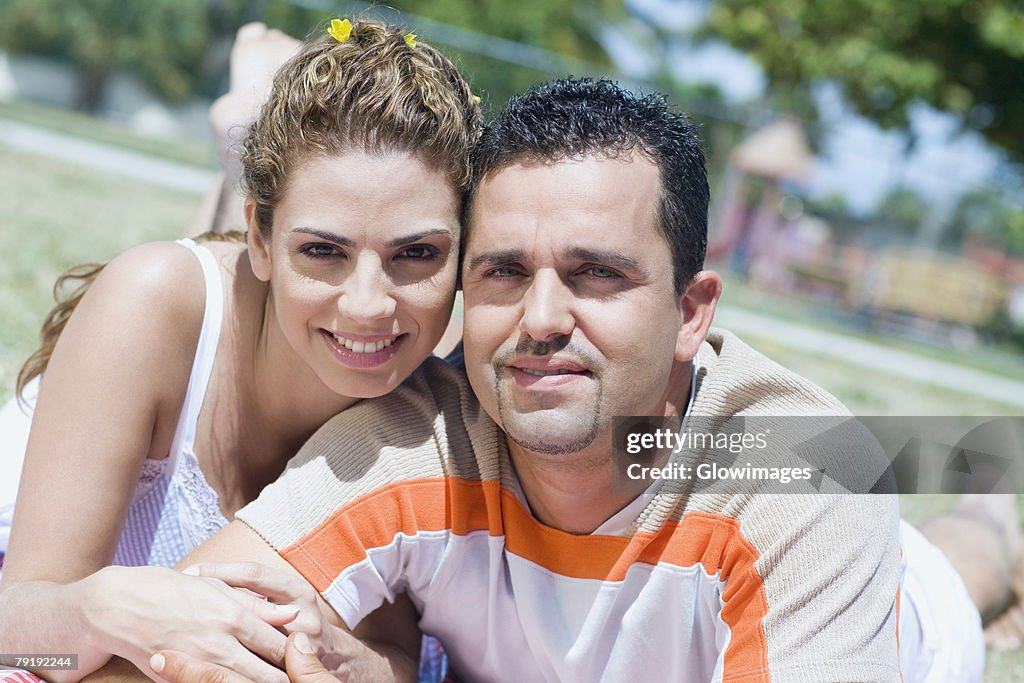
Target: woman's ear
(697, 302)
(259, 248)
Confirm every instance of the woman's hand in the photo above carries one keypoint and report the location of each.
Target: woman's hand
(135, 611)
(337, 647)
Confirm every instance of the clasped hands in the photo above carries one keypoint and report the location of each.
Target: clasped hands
(232, 622)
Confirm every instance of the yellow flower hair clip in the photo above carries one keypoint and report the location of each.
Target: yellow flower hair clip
(410, 39)
(340, 30)
(476, 98)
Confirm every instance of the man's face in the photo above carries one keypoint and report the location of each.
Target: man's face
(571, 317)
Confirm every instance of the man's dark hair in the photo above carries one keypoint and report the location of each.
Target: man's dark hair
(574, 118)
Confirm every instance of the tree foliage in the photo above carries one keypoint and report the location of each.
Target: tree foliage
(176, 45)
(903, 210)
(985, 215)
(961, 56)
(162, 41)
(561, 27)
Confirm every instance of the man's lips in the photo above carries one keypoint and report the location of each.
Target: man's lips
(531, 370)
(551, 365)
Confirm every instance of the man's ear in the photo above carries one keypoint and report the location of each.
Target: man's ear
(259, 248)
(697, 303)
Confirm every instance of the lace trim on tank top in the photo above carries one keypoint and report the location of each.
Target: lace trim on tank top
(203, 517)
(149, 476)
(199, 505)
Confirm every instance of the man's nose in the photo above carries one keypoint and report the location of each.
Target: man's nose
(547, 308)
(367, 295)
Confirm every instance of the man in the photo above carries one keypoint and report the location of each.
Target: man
(493, 504)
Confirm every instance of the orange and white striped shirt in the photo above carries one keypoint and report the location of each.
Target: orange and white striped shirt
(415, 492)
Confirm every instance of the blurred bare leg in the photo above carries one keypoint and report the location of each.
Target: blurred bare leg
(981, 537)
(256, 55)
(206, 211)
(1006, 632)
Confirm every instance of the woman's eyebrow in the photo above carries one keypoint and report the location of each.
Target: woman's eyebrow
(328, 236)
(396, 242)
(417, 236)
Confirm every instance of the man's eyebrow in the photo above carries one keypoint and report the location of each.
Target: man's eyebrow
(607, 258)
(497, 258)
(416, 237)
(327, 236)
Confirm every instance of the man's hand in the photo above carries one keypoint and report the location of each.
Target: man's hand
(301, 661)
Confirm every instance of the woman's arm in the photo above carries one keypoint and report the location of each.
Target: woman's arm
(113, 389)
(385, 646)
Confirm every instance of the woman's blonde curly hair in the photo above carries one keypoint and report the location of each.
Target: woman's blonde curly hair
(373, 93)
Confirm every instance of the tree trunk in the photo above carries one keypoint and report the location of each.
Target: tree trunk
(91, 83)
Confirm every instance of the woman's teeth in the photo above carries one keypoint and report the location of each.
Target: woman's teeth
(364, 347)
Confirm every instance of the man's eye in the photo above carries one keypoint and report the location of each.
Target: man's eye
(502, 272)
(319, 251)
(601, 272)
(419, 252)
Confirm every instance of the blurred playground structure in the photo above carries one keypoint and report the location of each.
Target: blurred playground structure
(765, 230)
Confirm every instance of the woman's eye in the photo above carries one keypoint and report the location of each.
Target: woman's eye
(319, 251)
(419, 252)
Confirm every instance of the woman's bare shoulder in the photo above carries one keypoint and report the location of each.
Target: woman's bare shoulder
(166, 275)
(146, 307)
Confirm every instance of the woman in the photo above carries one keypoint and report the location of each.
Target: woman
(184, 377)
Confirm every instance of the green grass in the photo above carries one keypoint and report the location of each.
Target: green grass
(184, 150)
(873, 392)
(57, 215)
(1001, 360)
(1004, 667)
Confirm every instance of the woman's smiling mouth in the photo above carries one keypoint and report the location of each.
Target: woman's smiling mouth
(365, 352)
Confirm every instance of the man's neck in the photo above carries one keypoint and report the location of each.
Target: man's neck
(577, 497)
